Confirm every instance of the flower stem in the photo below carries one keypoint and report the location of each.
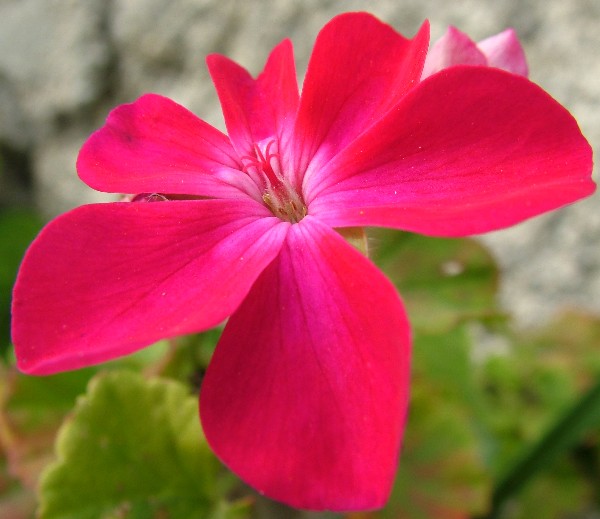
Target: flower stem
(565, 433)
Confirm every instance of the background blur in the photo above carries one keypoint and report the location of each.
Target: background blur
(65, 63)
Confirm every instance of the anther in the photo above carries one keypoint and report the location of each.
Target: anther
(278, 195)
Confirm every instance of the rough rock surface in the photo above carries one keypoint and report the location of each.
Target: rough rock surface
(65, 63)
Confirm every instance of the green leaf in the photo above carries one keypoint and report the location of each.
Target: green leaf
(189, 357)
(134, 449)
(34, 399)
(442, 466)
(17, 229)
(442, 281)
(569, 429)
(543, 400)
(31, 411)
(535, 381)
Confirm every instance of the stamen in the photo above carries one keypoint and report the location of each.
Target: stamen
(254, 163)
(265, 163)
(270, 155)
(278, 194)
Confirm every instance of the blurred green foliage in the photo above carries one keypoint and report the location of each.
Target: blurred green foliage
(483, 397)
(18, 227)
(134, 448)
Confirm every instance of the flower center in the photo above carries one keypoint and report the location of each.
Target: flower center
(264, 167)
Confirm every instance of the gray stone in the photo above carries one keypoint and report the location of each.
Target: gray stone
(57, 186)
(550, 264)
(13, 128)
(65, 63)
(54, 53)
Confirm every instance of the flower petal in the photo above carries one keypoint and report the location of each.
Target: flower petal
(359, 69)
(306, 395)
(105, 280)
(504, 51)
(453, 48)
(469, 150)
(256, 109)
(155, 145)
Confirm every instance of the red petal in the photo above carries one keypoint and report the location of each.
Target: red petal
(469, 150)
(256, 109)
(105, 280)
(504, 51)
(155, 145)
(453, 48)
(306, 395)
(359, 69)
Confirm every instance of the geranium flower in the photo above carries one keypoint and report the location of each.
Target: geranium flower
(503, 50)
(306, 395)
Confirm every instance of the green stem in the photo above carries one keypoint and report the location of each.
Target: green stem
(566, 432)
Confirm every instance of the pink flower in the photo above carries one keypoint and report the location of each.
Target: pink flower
(306, 396)
(502, 51)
